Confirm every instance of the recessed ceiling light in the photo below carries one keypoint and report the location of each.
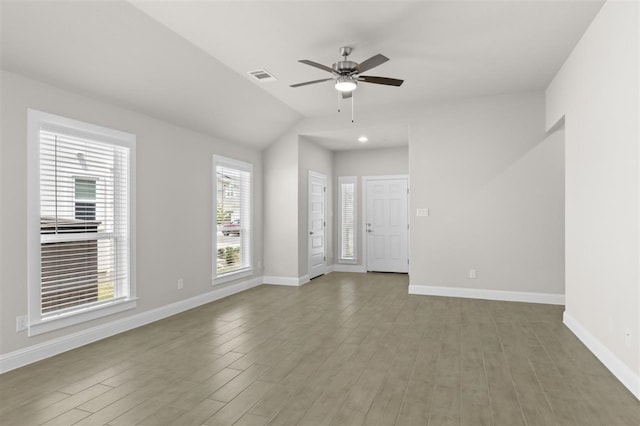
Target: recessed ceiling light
(363, 139)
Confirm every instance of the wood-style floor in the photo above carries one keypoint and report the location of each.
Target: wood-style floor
(345, 349)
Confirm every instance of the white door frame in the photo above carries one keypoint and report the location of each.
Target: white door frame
(365, 180)
(322, 176)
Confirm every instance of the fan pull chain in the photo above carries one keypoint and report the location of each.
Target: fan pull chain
(353, 95)
(339, 96)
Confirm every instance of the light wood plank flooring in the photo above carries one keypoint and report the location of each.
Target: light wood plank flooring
(345, 349)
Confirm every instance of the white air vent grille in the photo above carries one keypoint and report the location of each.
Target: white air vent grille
(262, 75)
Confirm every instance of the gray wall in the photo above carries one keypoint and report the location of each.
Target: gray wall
(367, 162)
(596, 92)
(174, 202)
(494, 187)
(281, 209)
(286, 172)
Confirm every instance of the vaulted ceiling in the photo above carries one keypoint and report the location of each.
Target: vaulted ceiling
(186, 61)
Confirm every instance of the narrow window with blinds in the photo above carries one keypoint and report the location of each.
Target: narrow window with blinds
(81, 214)
(347, 219)
(232, 219)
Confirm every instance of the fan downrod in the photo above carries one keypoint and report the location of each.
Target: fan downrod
(345, 51)
(345, 67)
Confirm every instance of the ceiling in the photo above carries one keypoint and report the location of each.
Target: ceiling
(111, 51)
(379, 136)
(442, 49)
(186, 61)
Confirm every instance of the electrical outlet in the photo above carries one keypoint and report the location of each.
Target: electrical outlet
(21, 323)
(180, 284)
(472, 274)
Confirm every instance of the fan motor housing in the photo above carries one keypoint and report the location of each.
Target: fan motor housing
(345, 67)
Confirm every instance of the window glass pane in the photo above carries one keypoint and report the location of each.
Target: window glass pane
(85, 189)
(232, 220)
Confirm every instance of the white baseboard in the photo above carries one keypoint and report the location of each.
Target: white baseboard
(341, 267)
(475, 293)
(626, 375)
(289, 281)
(22, 357)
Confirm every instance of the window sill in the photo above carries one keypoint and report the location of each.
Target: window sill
(80, 316)
(220, 279)
(348, 261)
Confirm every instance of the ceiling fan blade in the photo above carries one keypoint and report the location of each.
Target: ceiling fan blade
(381, 80)
(317, 65)
(346, 95)
(373, 61)
(310, 82)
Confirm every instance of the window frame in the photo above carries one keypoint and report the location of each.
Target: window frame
(37, 324)
(342, 180)
(247, 270)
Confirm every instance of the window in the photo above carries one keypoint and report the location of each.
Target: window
(232, 221)
(85, 198)
(347, 219)
(80, 221)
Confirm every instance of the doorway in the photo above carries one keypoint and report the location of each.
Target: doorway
(386, 224)
(317, 224)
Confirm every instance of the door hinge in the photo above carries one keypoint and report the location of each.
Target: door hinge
(325, 258)
(324, 189)
(407, 226)
(407, 261)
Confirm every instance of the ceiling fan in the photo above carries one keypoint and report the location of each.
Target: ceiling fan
(347, 74)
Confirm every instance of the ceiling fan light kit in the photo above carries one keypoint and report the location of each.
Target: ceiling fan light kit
(346, 84)
(347, 74)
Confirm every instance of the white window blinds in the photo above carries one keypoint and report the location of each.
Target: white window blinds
(84, 211)
(347, 219)
(233, 216)
(83, 221)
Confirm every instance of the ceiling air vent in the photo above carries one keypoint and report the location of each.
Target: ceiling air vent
(262, 75)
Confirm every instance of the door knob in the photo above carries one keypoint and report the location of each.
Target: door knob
(311, 233)
(369, 230)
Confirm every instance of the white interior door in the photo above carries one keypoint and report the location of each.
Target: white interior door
(317, 201)
(386, 225)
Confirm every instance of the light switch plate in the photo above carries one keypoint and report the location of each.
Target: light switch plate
(422, 212)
